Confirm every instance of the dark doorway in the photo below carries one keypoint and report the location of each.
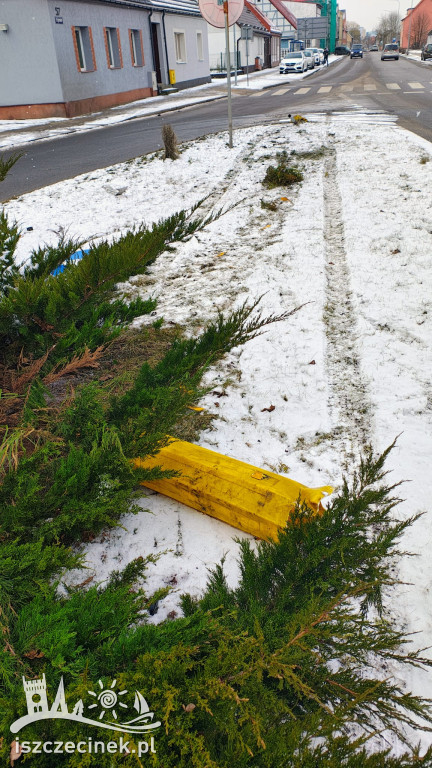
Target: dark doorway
(267, 52)
(155, 43)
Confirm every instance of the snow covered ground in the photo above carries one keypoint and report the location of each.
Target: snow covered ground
(352, 242)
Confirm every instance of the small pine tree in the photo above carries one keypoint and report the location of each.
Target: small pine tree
(9, 238)
(9, 234)
(7, 164)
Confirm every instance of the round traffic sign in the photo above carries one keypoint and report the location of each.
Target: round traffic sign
(214, 13)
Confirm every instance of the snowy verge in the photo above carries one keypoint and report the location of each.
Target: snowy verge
(375, 175)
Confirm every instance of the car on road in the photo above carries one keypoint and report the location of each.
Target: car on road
(293, 62)
(342, 50)
(426, 52)
(316, 54)
(310, 58)
(373, 48)
(356, 51)
(390, 51)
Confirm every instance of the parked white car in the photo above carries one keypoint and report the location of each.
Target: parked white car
(293, 62)
(316, 54)
(321, 53)
(310, 58)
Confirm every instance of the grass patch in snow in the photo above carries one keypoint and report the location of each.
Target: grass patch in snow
(310, 154)
(269, 205)
(282, 175)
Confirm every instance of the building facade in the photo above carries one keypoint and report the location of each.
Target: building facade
(261, 50)
(61, 58)
(417, 25)
(280, 18)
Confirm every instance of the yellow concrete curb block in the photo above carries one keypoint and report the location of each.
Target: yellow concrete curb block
(257, 501)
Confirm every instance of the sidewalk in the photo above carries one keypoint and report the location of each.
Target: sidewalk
(14, 133)
(416, 56)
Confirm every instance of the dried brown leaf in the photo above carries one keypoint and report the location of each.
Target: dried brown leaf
(34, 654)
(18, 385)
(87, 360)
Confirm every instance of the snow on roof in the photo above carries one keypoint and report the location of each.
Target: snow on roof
(187, 7)
(247, 16)
(176, 6)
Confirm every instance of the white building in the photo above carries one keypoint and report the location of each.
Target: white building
(261, 51)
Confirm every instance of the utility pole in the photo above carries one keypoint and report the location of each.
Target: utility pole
(228, 69)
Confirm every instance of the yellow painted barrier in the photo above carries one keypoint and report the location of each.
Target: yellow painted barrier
(255, 500)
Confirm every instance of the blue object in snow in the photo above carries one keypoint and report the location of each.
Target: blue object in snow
(77, 256)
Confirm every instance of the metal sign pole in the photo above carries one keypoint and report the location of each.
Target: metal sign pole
(228, 69)
(247, 61)
(235, 54)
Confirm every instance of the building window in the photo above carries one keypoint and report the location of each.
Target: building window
(180, 47)
(136, 47)
(84, 51)
(113, 48)
(200, 46)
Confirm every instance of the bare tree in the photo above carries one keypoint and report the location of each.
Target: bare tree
(420, 27)
(354, 29)
(388, 28)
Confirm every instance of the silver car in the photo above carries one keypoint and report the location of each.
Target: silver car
(391, 51)
(316, 54)
(310, 58)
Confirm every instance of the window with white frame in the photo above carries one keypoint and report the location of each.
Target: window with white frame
(136, 46)
(113, 51)
(84, 49)
(180, 47)
(200, 50)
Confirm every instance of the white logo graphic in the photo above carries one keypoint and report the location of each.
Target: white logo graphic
(107, 703)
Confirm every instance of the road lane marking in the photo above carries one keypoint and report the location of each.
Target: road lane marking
(393, 86)
(303, 90)
(280, 91)
(325, 89)
(347, 87)
(415, 85)
(369, 87)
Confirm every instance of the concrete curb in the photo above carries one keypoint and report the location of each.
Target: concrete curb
(419, 62)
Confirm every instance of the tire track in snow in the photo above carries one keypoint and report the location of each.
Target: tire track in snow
(348, 392)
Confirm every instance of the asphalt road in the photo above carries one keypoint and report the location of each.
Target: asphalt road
(402, 88)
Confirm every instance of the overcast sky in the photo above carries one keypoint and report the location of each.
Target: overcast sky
(368, 12)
